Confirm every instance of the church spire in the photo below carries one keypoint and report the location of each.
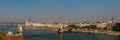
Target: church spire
(113, 20)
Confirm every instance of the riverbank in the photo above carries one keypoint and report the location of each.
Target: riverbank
(109, 32)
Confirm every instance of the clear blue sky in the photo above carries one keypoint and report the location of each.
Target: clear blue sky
(59, 10)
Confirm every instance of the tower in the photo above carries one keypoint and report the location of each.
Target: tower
(61, 29)
(28, 22)
(113, 20)
(20, 31)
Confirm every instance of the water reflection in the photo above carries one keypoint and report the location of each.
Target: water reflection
(60, 36)
(118, 37)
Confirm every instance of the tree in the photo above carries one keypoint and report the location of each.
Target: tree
(88, 27)
(115, 28)
(73, 26)
(93, 26)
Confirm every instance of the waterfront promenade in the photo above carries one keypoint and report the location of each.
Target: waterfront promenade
(109, 32)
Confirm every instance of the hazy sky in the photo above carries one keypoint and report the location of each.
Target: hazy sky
(59, 10)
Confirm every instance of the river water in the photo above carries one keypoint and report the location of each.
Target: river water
(50, 34)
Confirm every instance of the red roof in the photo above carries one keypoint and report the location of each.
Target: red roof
(14, 38)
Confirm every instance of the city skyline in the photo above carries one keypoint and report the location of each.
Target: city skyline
(63, 10)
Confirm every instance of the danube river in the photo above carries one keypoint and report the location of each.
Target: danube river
(49, 34)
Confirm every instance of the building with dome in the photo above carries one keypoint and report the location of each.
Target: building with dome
(111, 23)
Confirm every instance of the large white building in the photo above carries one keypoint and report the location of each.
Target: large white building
(38, 24)
(102, 25)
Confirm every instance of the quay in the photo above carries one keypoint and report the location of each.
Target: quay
(109, 32)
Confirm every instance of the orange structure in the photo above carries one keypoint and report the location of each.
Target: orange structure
(11, 36)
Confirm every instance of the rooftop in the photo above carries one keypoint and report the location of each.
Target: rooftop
(13, 38)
